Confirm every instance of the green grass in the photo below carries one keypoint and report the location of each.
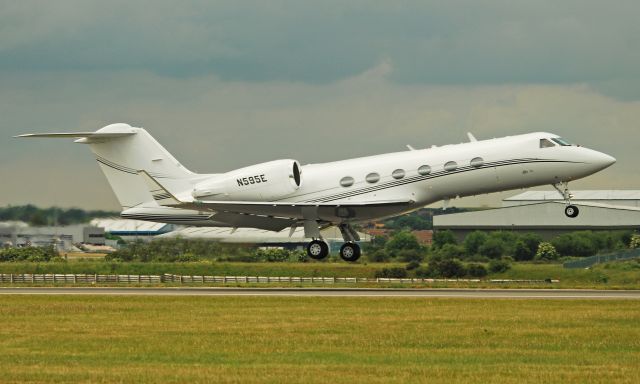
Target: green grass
(316, 340)
(624, 274)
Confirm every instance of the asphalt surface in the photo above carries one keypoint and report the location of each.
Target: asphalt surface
(334, 292)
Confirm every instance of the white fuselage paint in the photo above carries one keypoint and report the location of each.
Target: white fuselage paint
(506, 163)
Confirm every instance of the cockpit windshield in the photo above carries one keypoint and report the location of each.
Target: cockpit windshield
(561, 141)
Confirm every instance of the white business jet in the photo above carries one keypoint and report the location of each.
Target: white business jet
(152, 185)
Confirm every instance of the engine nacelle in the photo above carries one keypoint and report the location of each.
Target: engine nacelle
(261, 182)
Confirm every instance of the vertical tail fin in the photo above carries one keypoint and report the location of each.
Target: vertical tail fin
(121, 151)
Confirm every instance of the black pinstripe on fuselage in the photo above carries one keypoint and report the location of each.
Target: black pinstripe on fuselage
(420, 178)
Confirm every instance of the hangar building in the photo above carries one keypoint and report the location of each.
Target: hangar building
(542, 212)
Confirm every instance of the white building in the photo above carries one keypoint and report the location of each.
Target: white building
(542, 212)
(625, 198)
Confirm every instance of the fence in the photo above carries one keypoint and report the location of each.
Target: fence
(26, 278)
(592, 260)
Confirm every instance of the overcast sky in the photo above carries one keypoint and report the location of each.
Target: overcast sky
(227, 84)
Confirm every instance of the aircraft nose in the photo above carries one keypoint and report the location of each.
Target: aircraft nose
(602, 160)
(607, 160)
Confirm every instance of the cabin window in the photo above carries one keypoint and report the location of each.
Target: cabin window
(398, 174)
(373, 177)
(450, 166)
(346, 181)
(424, 170)
(544, 143)
(477, 162)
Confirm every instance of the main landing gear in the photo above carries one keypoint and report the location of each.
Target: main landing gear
(570, 210)
(350, 251)
(318, 249)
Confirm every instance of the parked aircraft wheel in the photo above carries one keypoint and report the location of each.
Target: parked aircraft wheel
(571, 211)
(317, 249)
(350, 251)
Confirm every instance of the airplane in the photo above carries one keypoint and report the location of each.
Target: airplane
(150, 184)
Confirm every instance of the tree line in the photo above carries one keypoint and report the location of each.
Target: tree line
(484, 246)
(51, 216)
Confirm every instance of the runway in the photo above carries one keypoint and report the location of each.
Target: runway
(335, 292)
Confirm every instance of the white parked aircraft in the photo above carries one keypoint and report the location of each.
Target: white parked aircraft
(152, 185)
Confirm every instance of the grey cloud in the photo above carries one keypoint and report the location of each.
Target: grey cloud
(467, 42)
(227, 84)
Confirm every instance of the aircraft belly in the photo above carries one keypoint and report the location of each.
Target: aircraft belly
(254, 221)
(363, 213)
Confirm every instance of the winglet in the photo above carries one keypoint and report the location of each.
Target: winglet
(471, 137)
(160, 194)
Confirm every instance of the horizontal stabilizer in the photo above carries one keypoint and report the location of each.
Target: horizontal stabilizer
(78, 135)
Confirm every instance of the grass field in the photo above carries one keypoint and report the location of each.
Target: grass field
(316, 340)
(614, 275)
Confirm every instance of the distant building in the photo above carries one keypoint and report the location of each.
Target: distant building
(378, 232)
(19, 234)
(425, 237)
(542, 212)
(625, 198)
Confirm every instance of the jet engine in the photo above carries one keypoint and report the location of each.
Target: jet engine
(261, 182)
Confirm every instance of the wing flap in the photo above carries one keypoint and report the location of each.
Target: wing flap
(325, 211)
(254, 221)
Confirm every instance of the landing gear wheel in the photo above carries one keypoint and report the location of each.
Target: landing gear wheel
(350, 251)
(571, 211)
(317, 249)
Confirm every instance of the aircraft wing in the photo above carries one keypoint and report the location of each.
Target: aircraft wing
(290, 210)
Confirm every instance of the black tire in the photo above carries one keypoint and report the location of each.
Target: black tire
(350, 251)
(571, 211)
(317, 249)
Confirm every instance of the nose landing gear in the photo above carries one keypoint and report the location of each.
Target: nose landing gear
(571, 211)
(563, 188)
